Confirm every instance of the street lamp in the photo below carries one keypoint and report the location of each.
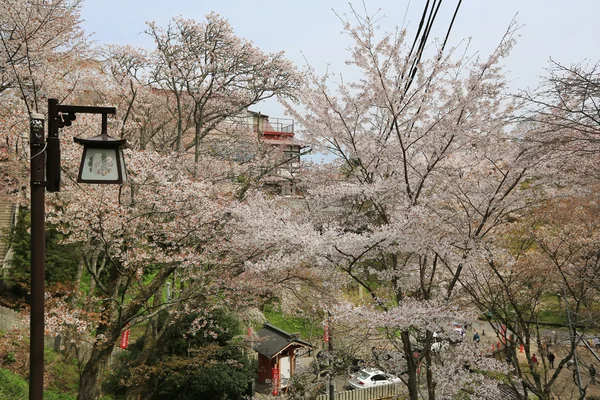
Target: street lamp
(102, 160)
(105, 164)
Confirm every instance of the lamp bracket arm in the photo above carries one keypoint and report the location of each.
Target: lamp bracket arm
(61, 115)
(62, 108)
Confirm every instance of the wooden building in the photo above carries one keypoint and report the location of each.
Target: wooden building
(277, 349)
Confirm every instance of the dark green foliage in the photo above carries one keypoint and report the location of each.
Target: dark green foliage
(61, 259)
(206, 365)
(224, 325)
(9, 358)
(224, 376)
(120, 371)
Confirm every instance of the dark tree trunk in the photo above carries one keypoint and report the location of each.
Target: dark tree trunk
(197, 136)
(113, 323)
(430, 382)
(80, 267)
(89, 382)
(411, 362)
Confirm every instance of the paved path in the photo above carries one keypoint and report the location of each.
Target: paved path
(488, 335)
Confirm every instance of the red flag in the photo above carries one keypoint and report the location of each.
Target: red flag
(124, 339)
(275, 380)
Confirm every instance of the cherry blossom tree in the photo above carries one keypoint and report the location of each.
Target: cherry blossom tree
(428, 168)
(567, 99)
(563, 115)
(551, 251)
(145, 120)
(165, 224)
(162, 221)
(212, 74)
(42, 50)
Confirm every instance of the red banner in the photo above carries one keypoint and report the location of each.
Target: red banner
(275, 380)
(124, 339)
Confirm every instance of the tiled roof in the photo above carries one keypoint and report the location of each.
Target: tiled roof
(274, 340)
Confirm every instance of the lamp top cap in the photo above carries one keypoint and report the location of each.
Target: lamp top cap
(101, 140)
(37, 116)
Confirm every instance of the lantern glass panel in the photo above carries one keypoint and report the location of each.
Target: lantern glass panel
(100, 165)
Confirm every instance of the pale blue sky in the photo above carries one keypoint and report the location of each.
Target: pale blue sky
(564, 30)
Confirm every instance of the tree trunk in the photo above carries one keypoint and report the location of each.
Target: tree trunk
(112, 322)
(412, 384)
(80, 267)
(136, 392)
(151, 337)
(154, 338)
(107, 333)
(89, 388)
(179, 115)
(430, 382)
(197, 133)
(93, 265)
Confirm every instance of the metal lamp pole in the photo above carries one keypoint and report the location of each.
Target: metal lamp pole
(45, 175)
(38, 253)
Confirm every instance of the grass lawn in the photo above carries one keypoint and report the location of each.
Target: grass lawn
(137, 331)
(291, 324)
(552, 317)
(14, 387)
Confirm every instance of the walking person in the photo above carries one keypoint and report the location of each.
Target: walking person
(551, 358)
(476, 337)
(592, 375)
(534, 360)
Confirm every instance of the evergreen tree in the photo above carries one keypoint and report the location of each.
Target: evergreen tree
(61, 259)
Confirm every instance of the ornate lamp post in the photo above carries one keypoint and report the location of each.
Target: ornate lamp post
(102, 162)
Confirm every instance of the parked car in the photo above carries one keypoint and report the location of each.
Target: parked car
(439, 344)
(458, 327)
(371, 377)
(459, 332)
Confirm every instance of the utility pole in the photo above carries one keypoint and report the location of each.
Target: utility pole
(574, 339)
(331, 363)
